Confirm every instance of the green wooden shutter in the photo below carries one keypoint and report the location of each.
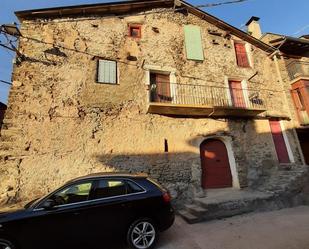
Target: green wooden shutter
(193, 39)
(107, 72)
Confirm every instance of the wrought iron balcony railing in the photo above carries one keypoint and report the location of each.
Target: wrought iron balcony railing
(298, 69)
(207, 97)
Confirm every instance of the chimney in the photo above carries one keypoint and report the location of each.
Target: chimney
(253, 27)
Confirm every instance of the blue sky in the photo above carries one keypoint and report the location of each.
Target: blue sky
(277, 16)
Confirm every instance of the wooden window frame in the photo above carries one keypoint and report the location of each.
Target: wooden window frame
(135, 26)
(247, 55)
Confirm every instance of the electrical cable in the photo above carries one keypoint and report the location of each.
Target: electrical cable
(5, 82)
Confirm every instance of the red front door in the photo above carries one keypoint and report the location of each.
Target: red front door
(237, 94)
(282, 152)
(216, 172)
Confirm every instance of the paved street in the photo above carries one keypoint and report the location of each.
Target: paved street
(283, 229)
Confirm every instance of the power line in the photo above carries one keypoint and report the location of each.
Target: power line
(218, 4)
(5, 82)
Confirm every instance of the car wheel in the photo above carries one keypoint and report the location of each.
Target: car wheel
(142, 234)
(4, 244)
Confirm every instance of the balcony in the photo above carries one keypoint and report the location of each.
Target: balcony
(199, 100)
(298, 69)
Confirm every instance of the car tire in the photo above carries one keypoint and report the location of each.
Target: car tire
(142, 234)
(5, 244)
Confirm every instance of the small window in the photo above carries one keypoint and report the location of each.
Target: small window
(73, 194)
(135, 31)
(107, 72)
(133, 188)
(241, 55)
(109, 188)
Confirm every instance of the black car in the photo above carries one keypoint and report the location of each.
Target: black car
(89, 211)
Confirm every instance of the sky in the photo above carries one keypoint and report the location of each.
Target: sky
(277, 16)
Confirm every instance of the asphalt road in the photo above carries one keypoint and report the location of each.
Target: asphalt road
(283, 229)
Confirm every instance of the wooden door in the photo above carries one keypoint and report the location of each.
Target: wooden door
(280, 146)
(216, 172)
(162, 88)
(237, 95)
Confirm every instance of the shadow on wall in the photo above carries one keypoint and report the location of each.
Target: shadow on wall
(173, 170)
(252, 149)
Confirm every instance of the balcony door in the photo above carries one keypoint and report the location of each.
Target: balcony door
(160, 87)
(237, 95)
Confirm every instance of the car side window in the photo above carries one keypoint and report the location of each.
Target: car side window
(133, 188)
(109, 188)
(73, 194)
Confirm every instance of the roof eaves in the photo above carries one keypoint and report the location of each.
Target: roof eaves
(89, 8)
(221, 24)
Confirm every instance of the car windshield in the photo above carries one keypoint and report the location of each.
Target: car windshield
(32, 203)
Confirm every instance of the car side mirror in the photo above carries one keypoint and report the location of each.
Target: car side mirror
(49, 204)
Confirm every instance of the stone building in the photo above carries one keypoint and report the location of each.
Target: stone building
(154, 86)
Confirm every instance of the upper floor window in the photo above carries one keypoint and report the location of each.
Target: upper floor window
(193, 41)
(300, 94)
(241, 55)
(135, 30)
(107, 72)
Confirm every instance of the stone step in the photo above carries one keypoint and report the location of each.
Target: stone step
(196, 210)
(188, 217)
(225, 204)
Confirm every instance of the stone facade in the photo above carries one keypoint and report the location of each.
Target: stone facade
(61, 123)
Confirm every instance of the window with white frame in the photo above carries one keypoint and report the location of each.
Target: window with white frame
(107, 72)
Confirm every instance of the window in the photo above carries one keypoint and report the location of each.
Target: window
(237, 94)
(109, 188)
(133, 188)
(241, 55)
(135, 30)
(73, 194)
(107, 71)
(300, 97)
(160, 87)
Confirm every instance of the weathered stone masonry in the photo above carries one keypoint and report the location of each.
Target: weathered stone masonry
(61, 123)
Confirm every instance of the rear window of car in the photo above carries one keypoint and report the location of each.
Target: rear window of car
(133, 188)
(109, 188)
(154, 182)
(113, 187)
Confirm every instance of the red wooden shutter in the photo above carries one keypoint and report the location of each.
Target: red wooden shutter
(164, 90)
(241, 55)
(237, 94)
(279, 142)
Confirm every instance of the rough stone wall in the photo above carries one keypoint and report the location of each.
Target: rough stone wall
(61, 124)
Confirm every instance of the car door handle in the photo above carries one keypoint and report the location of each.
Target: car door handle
(76, 213)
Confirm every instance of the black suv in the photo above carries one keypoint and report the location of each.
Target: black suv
(89, 211)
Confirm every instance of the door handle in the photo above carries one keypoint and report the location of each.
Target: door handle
(76, 213)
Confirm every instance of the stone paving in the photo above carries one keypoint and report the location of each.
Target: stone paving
(283, 229)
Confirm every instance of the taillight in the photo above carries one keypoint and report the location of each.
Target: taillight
(166, 197)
